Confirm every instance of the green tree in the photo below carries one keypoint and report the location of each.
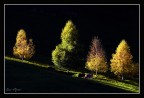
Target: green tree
(96, 60)
(121, 62)
(22, 49)
(66, 53)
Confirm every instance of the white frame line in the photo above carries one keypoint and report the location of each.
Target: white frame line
(71, 4)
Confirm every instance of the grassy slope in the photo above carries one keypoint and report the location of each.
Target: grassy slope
(101, 78)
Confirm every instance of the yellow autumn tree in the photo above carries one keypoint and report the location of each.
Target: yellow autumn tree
(121, 62)
(22, 48)
(96, 60)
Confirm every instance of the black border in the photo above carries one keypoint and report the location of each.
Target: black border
(58, 2)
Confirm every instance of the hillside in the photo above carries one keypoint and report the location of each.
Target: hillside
(25, 78)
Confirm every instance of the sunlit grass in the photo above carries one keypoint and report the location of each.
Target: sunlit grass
(27, 62)
(117, 84)
(131, 86)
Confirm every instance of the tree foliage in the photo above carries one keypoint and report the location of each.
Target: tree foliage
(96, 60)
(22, 48)
(66, 53)
(121, 62)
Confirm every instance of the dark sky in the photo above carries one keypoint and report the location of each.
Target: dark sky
(44, 23)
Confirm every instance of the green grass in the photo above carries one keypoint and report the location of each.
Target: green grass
(131, 86)
(27, 62)
(40, 65)
(118, 84)
(128, 85)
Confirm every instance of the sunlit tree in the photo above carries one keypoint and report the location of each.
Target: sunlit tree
(30, 49)
(96, 60)
(121, 62)
(66, 53)
(22, 48)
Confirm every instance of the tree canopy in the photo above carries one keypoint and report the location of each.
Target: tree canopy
(22, 48)
(66, 53)
(96, 60)
(121, 62)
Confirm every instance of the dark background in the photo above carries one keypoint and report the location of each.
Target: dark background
(44, 23)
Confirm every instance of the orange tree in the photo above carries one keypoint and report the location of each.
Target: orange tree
(22, 49)
(121, 62)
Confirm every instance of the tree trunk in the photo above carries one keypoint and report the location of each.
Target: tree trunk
(96, 72)
(22, 57)
(122, 77)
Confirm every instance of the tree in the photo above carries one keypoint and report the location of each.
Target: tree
(121, 62)
(96, 60)
(22, 49)
(66, 53)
